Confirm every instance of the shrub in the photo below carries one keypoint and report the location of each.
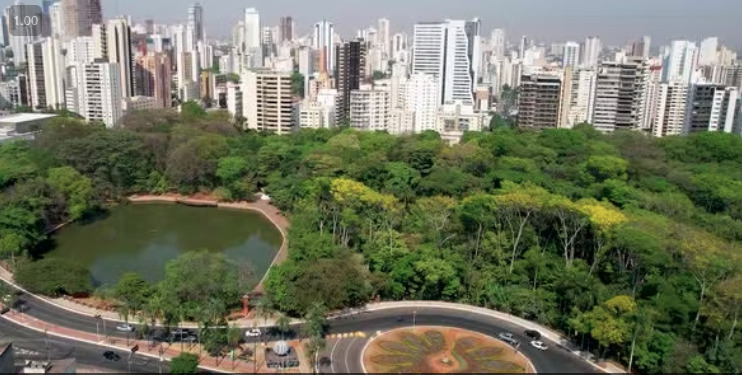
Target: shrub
(54, 277)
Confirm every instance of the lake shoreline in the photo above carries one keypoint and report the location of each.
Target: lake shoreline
(262, 207)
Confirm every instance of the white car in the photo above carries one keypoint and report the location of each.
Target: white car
(125, 328)
(508, 338)
(252, 333)
(539, 345)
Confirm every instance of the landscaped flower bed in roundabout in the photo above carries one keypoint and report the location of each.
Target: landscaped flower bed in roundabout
(441, 350)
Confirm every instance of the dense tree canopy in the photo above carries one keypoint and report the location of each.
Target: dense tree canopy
(628, 244)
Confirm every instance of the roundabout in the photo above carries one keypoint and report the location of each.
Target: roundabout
(441, 350)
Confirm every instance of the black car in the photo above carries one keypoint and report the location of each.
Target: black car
(111, 356)
(533, 334)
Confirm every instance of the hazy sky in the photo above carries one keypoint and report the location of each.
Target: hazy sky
(616, 21)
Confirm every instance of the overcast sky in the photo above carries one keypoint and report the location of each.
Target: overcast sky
(616, 21)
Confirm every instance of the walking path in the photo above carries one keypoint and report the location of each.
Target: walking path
(169, 351)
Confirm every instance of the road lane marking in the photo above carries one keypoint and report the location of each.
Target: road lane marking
(347, 369)
(332, 357)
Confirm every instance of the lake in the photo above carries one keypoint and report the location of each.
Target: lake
(142, 238)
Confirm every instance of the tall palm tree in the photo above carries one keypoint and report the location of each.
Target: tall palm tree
(315, 330)
(315, 321)
(314, 347)
(284, 325)
(264, 309)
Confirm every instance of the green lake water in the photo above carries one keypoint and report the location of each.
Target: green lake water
(142, 238)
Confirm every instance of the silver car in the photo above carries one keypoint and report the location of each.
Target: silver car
(508, 338)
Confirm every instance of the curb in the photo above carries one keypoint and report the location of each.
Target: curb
(53, 333)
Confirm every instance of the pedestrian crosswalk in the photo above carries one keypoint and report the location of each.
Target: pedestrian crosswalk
(350, 335)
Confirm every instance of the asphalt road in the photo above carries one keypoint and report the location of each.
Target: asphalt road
(346, 357)
(31, 345)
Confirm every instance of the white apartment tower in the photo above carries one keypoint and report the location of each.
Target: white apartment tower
(422, 100)
(95, 92)
(672, 99)
(253, 36)
(384, 36)
(620, 96)
(119, 51)
(571, 55)
(45, 74)
(234, 100)
(449, 51)
(582, 98)
(369, 109)
(498, 43)
(323, 40)
(267, 100)
(591, 53)
(679, 62)
(707, 53)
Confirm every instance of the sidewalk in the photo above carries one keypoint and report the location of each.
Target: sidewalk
(217, 364)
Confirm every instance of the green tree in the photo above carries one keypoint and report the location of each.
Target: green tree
(190, 110)
(297, 84)
(76, 188)
(185, 363)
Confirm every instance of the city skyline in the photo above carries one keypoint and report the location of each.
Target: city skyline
(616, 23)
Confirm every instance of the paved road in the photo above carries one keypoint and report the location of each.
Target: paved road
(31, 345)
(346, 356)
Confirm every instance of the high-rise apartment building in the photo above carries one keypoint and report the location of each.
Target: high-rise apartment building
(323, 40)
(498, 43)
(350, 71)
(591, 52)
(384, 36)
(539, 102)
(679, 63)
(268, 103)
(80, 50)
(196, 22)
(731, 76)
(449, 51)
(672, 100)
(571, 54)
(234, 100)
(154, 77)
(707, 51)
(78, 17)
(45, 74)
(582, 99)
(286, 25)
(369, 109)
(641, 47)
(253, 37)
(100, 41)
(620, 96)
(118, 41)
(713, 107)
(95, 92)
(422, 99)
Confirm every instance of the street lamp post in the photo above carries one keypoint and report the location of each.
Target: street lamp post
(414, 318)
(97, 326)
(161, 351)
